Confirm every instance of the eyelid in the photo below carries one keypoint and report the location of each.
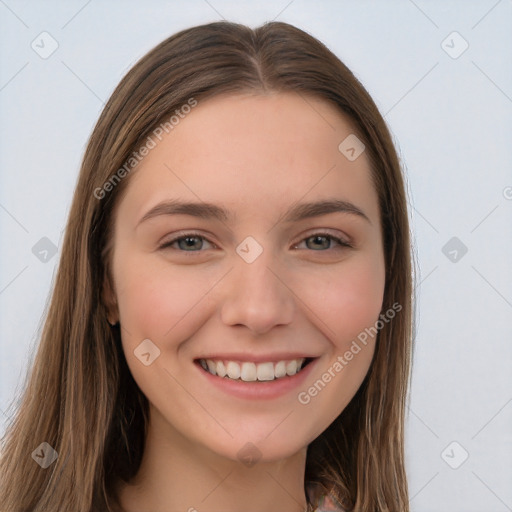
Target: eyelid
(184, 234)
(343, 241)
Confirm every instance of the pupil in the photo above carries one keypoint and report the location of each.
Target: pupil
(189, 241)
(320, 238)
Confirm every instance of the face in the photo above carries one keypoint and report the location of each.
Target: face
(250, 280)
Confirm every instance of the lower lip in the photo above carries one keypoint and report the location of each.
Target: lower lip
(256, 390)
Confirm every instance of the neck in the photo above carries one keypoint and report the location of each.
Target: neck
(177, 475)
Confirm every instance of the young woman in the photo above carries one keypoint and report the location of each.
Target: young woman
(230, 327)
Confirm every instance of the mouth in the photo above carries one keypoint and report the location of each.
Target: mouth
(249, 371)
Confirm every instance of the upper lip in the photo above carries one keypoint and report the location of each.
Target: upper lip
(258, 358)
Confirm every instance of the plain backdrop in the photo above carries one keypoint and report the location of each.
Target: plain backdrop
(441, 74)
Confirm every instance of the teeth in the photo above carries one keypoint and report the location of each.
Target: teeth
(210, 366)
(291, 367)
(233, 370)
(220, 368)
(280, 369)
(250, 372)
(265, 371)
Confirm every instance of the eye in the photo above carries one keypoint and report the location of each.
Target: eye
(193, 242)
(189, 242)
(322, 242)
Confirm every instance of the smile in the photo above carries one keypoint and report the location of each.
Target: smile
(254, 372)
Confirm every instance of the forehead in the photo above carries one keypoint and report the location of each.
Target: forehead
(255, 150)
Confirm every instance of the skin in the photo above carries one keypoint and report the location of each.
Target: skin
(255, 155)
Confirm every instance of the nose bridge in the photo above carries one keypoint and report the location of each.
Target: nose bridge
(257, 296)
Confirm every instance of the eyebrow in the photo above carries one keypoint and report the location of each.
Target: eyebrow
(295, 213)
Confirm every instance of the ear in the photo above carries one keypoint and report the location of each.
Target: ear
(110, 302)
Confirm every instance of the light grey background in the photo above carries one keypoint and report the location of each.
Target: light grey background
(452, 121)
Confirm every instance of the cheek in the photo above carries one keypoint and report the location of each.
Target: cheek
(348, 303)
(163, 305)
(349, 298)
(154, 300)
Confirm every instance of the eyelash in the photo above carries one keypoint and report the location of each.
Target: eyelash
(342, 243)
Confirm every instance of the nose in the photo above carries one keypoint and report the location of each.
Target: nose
(257, 296)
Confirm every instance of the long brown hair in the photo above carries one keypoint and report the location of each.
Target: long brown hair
(94, 415)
